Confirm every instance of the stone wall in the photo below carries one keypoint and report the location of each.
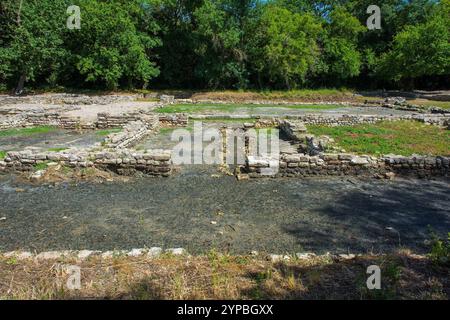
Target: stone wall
(174, 120)
(350, 120)
(106, 120)
(125, 162)
(299, 165)
(65, 98)
(132, 133)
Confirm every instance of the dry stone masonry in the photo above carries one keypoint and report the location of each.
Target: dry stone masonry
(125, 162)
(313, 161)
(68, 99)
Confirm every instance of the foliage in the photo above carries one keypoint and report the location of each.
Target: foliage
(236, 44)
(285, 48)
(113, 43)
(440, 249)
(417, 51)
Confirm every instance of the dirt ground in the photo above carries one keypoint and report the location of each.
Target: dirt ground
(198, 210)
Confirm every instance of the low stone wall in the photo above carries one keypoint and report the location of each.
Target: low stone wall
(294, 130)
(125, 162)
(57, 120)
(350, 120)
(65, 98)
(106, 120)
(294, 165)
(11, 122)
(132, 133)
(174, 120)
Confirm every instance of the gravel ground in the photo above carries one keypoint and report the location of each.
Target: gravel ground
(198, 211)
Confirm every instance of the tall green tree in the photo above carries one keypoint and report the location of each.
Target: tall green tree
(115, 42)
(418, 51)
(221, 48)
(285, 46)
(341, 56)
(33, 43)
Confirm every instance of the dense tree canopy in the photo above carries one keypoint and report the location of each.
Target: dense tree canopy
(224, 44)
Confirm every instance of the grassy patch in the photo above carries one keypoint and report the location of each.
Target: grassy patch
(2, 154)
(57, 149)
(228, 120)
(40, 166)
(430, 103)
(229, 107)
(306, 95)
(399, 137)
(26, 131)
(107, 132)
(221, 276)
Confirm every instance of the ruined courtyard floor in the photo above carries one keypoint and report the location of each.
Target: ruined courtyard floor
(199, 210)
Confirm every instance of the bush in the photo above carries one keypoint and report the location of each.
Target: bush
(440, 249)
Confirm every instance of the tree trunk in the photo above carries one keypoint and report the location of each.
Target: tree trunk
(288, 86)
(259, 81)
(20, 85)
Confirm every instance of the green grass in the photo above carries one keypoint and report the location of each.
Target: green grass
(307, 93)
(57, 149)
(2, 154)
(399, 137)
(107, 132)
(220, 119)
(430, 103)
(40, 166)
(229, 107)
(26, 131)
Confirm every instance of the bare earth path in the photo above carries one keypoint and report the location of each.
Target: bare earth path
(197, 211)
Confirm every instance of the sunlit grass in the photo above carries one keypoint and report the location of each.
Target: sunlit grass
(107, 132)
(430, 103)
(229, 107)
(399, 137)
(27, 131)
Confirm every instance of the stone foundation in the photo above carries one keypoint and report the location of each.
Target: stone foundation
(174, 120)
(132, 133)
(125, 162)
(65, 98)
(301, 165)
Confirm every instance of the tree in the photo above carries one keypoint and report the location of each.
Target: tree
(114, 43)
(32, 47)
(418, 51)
(177, 58)
(220, 42)
(285, 45)
(342, 58)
